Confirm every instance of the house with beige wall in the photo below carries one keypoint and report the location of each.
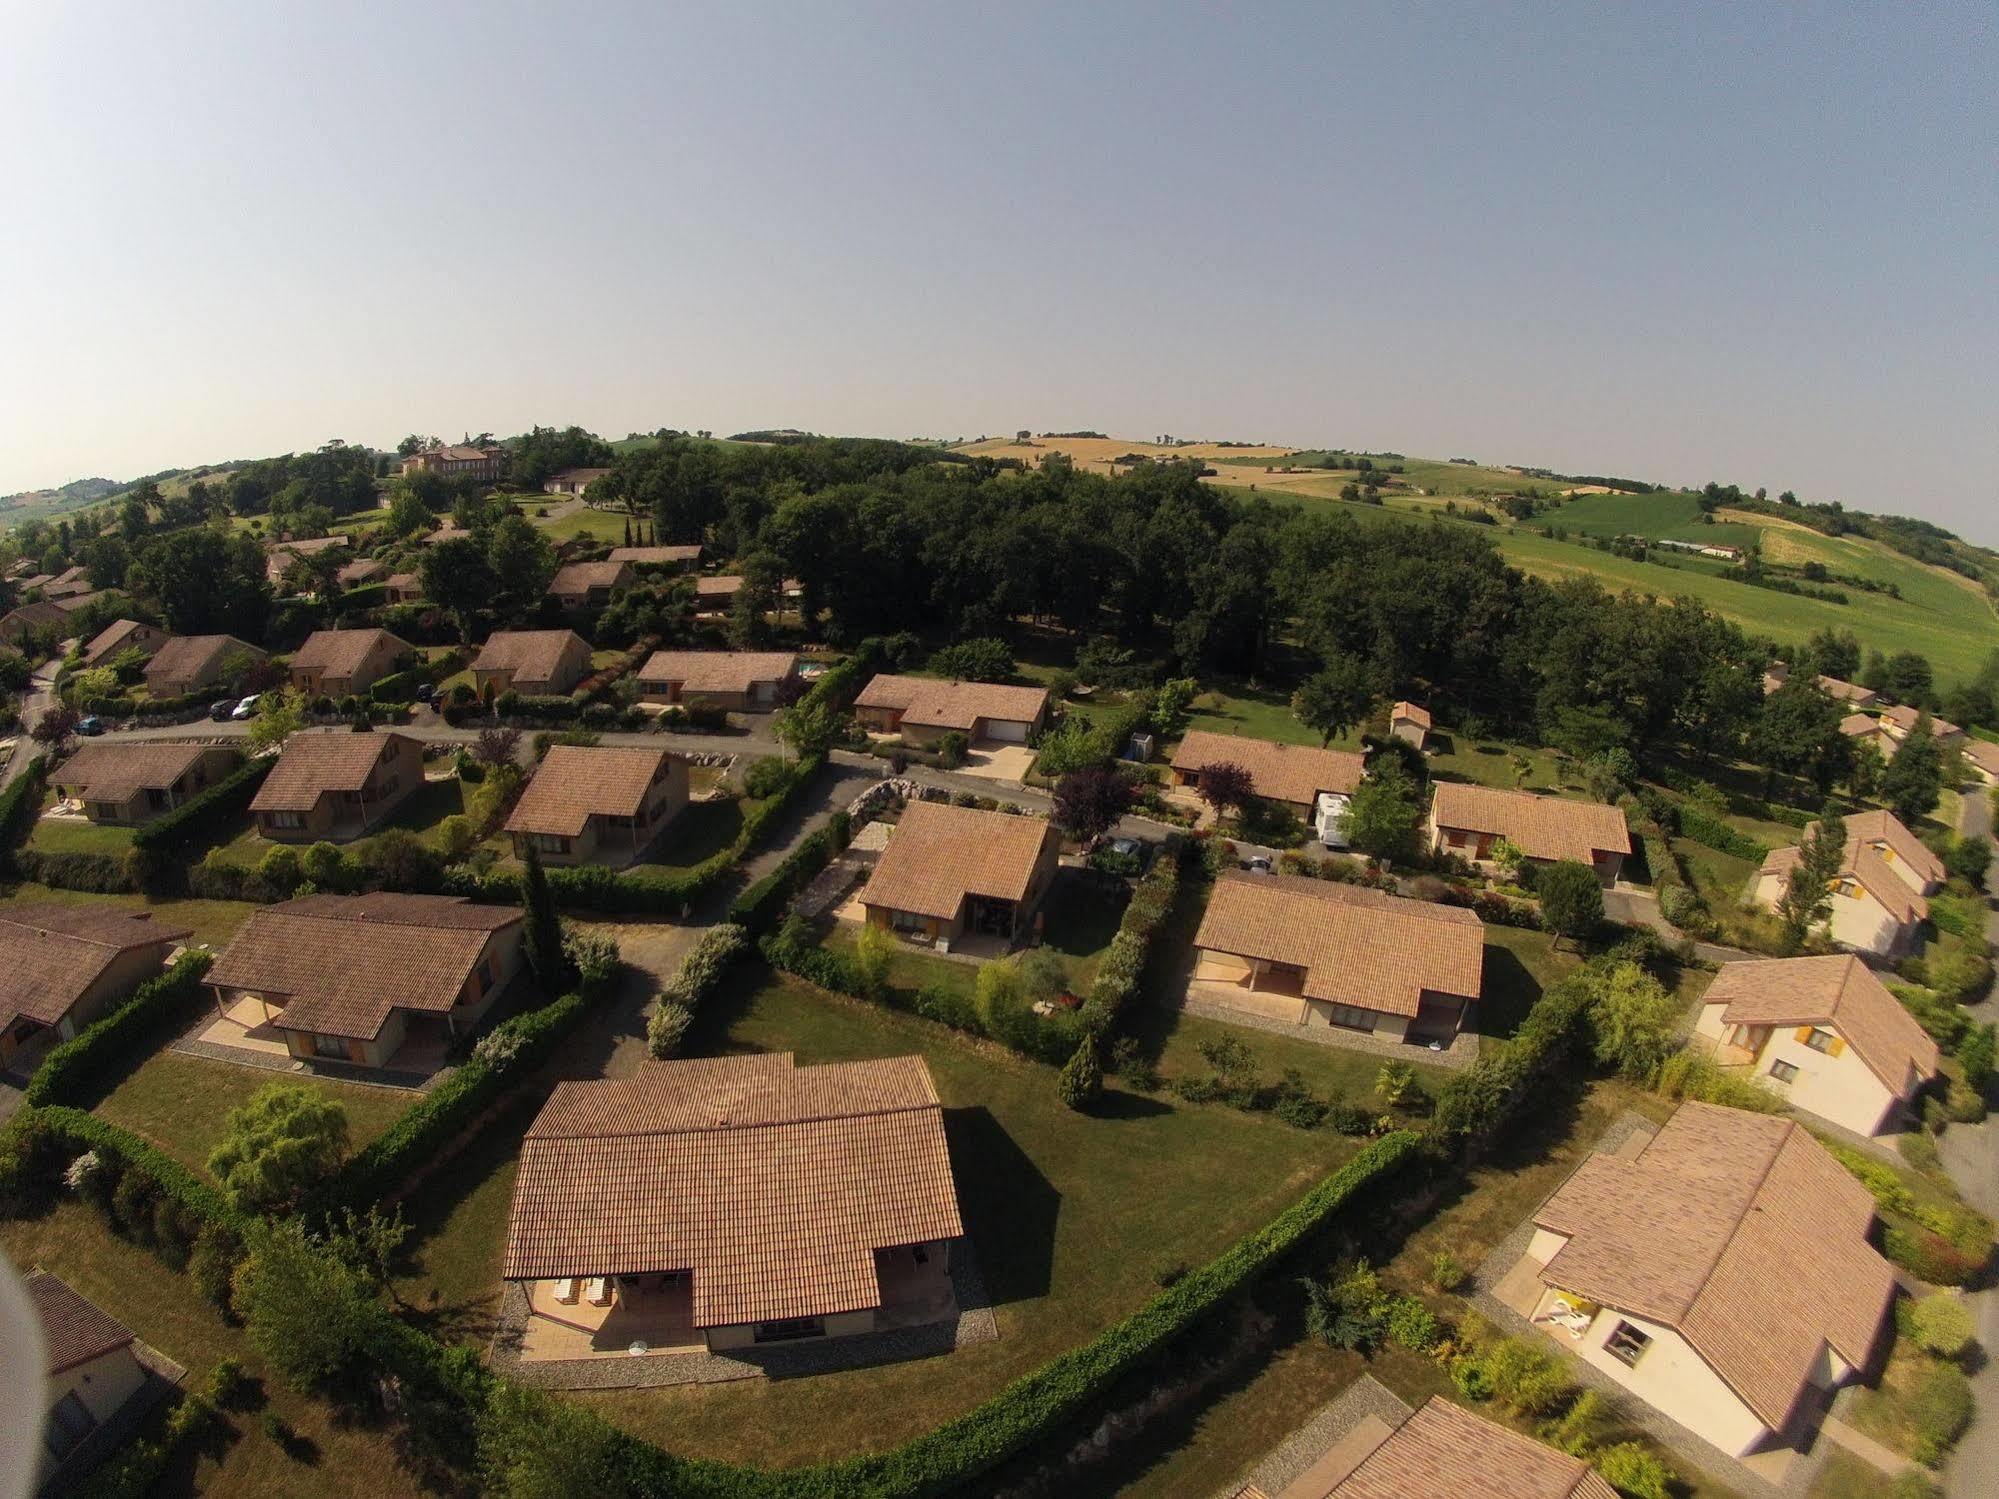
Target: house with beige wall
(598, 804)
(589, 585)
(187, 663)
(739, 681)
(647, 1216)
(539, 663)
(1315, 784)
(63, 966)
(1318, 954)
(1824, 1034)
(91, 1372)
(924, 709)
(346, 663)
(1880, 896)
(951, 874)
(1723, 1275)
(1469, 821)
(336, 784)
(1409, 722)
(371, 980)
(120, 636)
(129, 784)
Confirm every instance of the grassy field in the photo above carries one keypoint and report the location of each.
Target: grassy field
(212, 921)
(1670, 516)
(180, 1103)
(1073, 1217)
(77, 835)
(599, 525)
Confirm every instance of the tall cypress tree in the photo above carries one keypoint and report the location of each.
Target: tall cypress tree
(541, 943)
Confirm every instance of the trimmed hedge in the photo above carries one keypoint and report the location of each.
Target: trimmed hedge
(761, 903)
(221, 803)
(100, 1054)
(396, 687)
(1478, 1101)
(1117, 979)
(20, 805)
(1701, 825)
(77, 1130)
(96, 873)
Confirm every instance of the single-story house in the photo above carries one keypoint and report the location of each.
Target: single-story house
(714, 595)
(20, 622)
(953, 872)
(1470, 820)
(572, 481)
(336, 783)
(62, 967)
(120, 636)
(1317, 785)
(346, 663)
(1318, 953)
(132, 783)
(1775, 675)
(742, 681)
(187, 663)
(355, 978)
(540, 663)
(1440, 1451)
(446, 532)
(673, 558)
(73, 603)
(1850, 693)
(598, 804)
(731, 1202)
(1899, 722)
(279, 555)
(1723, 1275)
(402, 588)
(1981, 757)
(589, 585)
(923, 710)
(91, 1371)
(362, 570)
(1880, 895)
(67, 584)
(1826, 1031)
(1409, 722)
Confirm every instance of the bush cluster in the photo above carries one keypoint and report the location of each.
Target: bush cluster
(760, 904)
(699, 972)
(99, 1054)
(20, 804)
(1701, 825)
(1118, 975)
(1475, 1103)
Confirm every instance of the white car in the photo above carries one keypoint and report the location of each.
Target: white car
(245, 709)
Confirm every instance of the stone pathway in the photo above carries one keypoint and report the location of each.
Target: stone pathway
(1364, 1401)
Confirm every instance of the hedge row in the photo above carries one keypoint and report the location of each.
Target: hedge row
(20, 805)
(161, 707)
(397, 687)
(36, 1129)
(1123, 965)
(219, 806)
(1701, 825)
(100, 1053)
(95, 873)
(761, 903)
(1477, 1102)
(1038, 1404)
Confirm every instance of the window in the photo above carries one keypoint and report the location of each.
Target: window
(1784, 1072)
(1627, 1344)
(790, 1328)
(485, 976)
(1353, 1017)
(330, 1046)
(70, 1421)
(286, 819)
(1821, 1039)
(551, 843)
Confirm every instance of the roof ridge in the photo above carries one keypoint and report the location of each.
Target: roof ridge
(1748, 1205)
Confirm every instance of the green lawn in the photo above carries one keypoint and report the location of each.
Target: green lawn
(1510, 767)
(337, 1457)
(1073, 1218)
(421, 814)
(180, 1103)
(1258, 712)
(702, 830)
(600, 525)
(212, 921)
(1674, 516)
(78, 835)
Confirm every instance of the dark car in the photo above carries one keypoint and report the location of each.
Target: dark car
(219, 712)
(91, 725)
(426, 692)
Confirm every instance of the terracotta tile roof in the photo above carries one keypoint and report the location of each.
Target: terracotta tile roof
(51, 954)
(1739, 1231)
(722, 586)
(1904, 718)
(1884, 827)
(1848, 692)
(341, 653)
(930, 703)
(76, 1330)
(1856, 724)
(185, 657)
(655, 556)
(576, 476)
(119, 772)
(1865, 866)
(446, 533)
(1445, 1452)
(110, 640)
(306, 548)
(1277, 772)
(1414, 712)
(576, 782)
(940, 854)
(1839, 992)
(581, 577)
(407, 582)
(1541, 827)
(773, 1184)
(1357, 947)
(316, 761)
(69, 583)
(345, 962)
(361, 570)
(75, 601)
(718, 671)
(531, 655)
(1984, 754)
(39, 613)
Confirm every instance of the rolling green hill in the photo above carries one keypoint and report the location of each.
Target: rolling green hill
(1675, 517)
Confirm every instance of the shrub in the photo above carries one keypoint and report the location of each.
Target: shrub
(1471, 1379)
(951, 749)
(766, 776)
(706, 961)
(982, 660)
(667, 1028)
(20, 805)
(278, 1146)
(1920, 1151)
(1350, 1312)
(95, 1059)
(1635, 1471)
(1081, 1080)
(1394, 1082)
(1579, 1430)
(1446, 1272)
(1412, 1325)
(1941, 1324)
(1528, 1377)
(1941, 1409)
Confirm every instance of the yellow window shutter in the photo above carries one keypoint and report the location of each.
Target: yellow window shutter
(1838, 1046)
(1802, 1034)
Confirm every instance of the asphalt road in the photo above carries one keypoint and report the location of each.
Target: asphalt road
(34, 703)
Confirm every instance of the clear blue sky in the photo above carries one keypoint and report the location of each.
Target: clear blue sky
(1757, 243)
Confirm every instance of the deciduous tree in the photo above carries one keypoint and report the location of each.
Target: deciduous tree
(283, 1142)
(1337, 696)
(1089, 802)
(1571, 899)
(1807, 895)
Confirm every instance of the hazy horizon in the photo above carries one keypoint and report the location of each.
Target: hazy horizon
(1743, 244)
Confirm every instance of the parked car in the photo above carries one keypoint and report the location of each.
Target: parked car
(1257, 864)
(426, 692)
(245, 709)
(90, 725)
(219, 712)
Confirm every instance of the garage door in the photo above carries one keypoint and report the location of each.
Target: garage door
(1007, 730)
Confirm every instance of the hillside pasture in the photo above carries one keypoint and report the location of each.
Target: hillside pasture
(1662, 517)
